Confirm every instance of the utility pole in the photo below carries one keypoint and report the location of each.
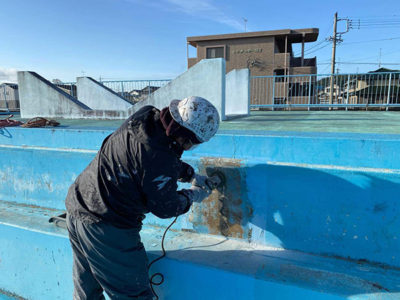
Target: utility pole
(245, 23)
(334, 41)
(380, 57)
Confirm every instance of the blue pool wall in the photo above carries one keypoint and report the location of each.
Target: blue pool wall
(329, 194)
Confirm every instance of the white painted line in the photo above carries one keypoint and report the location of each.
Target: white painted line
(333, 167)
(34, 230)
(39, 148)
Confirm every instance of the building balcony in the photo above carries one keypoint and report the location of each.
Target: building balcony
(192, 61)
(282, 60)
(285, 60)
(307, 62)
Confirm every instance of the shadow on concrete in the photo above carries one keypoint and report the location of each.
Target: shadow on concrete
(4, 132)
(337, 278)
(348, 215)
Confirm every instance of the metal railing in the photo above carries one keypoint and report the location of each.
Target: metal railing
(9, 97)
(135, 90)
(326, 91)
(68, 87)
(132, 90)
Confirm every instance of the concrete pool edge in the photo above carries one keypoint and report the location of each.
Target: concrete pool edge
(307, 271)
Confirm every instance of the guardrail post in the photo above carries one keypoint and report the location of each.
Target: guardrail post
(5, 97)
(287, 92)
(273, 93)
(388, 95)
(348, 87)
(331, 92)
(309, 94)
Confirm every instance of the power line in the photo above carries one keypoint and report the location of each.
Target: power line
(325, 69)
(382, 17)
(315, 50)
(374, 56)
(369, 41)
(316, 45)
(360, 63)
(377, 22)
(320, 42)
(363, 26)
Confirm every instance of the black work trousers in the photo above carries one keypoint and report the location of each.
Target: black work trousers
(110, 259)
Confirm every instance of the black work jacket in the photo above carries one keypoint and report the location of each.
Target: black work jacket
(135, 172)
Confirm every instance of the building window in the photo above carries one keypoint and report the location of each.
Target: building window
(215, 52)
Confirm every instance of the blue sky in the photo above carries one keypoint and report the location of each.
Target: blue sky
(135, 39)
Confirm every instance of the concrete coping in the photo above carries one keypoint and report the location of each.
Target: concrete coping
(330, 275)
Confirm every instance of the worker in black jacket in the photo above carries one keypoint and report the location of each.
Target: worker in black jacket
(135, 172)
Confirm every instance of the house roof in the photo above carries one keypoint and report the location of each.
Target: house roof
(294, 35)
(11, 85)
(380, 70)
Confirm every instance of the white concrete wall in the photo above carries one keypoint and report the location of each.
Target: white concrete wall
(237, 92)
(97, 96)
(205, 79)
(39, 97)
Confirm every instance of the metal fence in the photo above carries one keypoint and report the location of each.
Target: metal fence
(326, 91)
(68, 87)
(135, 90)
(132, 90)
(9, 97)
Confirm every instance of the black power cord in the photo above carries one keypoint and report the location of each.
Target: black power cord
(160, 282)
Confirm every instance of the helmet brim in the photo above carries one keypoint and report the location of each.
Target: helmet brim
(173, 109)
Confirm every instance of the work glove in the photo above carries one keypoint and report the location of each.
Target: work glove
(200, 189)
(198, 194)
(200, 181)
(186, 173)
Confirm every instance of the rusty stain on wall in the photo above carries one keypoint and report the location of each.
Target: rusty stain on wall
(227, 211)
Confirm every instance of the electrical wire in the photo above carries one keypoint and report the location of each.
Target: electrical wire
(369, 41)
(315, 50)
(164, 253)
(320, 42)
(360, 63)
(374, 23)
(327, 43)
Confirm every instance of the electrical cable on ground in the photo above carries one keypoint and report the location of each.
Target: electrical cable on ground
(160, 282)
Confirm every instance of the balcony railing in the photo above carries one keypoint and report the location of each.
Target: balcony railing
(307, 62)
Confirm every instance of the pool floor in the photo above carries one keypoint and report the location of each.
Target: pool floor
(382, 122)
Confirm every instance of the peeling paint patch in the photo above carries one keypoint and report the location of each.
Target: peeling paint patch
(227, 211)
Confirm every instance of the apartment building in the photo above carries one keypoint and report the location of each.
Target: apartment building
(265, 53)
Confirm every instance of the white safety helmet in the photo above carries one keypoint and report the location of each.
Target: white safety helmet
(196, 114)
